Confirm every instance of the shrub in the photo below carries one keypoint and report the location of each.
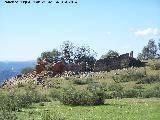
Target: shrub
(72, 96)
(149, 79)
(139, 87)
(38, 97)
(83, 82)
(14, 100)
(112, 90)
(153, 92)
(5, 115)
(131, 93)
(79, 82)
(55, 94)
(9, 102)
(115, 87)
(114, 94)
(155, 65)
(128, 77)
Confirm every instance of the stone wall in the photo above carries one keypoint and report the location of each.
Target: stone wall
(112, 63)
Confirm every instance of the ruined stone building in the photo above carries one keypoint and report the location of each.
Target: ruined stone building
(112, 63)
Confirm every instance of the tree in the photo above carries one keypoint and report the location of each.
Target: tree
(70, 54)
(53, 53)
(50, 55)
(152, 49)
(110, 53)
(159, 49)
(83, 52)
(149, 51)
(26, 70)
(68, 51)
(78, 54)
(86, 55)
(140, 56)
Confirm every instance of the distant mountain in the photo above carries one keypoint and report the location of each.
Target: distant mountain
(6, 74)
(10, 69)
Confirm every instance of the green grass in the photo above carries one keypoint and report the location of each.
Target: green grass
(114, 109)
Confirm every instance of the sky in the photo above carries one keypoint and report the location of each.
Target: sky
(26, 30)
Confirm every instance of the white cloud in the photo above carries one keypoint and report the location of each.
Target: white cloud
(148, 31)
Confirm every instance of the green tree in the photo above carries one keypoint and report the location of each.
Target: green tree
(87, 55)
(140, 56)
(50, 54)
(159, 49)
(26, 70)
(84, 52)
(110, 53)
(149, 51)
(67, 50)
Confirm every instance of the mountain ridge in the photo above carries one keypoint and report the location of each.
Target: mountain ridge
(10, 69)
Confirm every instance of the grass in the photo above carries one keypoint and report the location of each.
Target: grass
(114, 109)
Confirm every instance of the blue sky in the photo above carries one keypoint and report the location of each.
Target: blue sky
(121, 25)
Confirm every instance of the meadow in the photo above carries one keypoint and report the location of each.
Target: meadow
(127, 94)
(113, 109)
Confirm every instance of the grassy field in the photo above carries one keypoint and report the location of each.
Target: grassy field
(113, 109)
(139, 89)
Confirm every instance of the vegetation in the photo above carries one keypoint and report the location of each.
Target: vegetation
(154, 64)
(6, 115)
(113, 109)
(110, 53)
(75, 92)
(116, 95)
(26, 70)
(72, 96)
(150, 51)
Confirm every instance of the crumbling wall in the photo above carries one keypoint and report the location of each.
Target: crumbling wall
(112, 63)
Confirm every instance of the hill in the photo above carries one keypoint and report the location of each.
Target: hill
(130, 91)
(128, 94)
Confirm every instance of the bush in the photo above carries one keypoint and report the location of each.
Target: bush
(9, 102)
(112, 90)
(38, 97)
(128, 77)
(14, 100)
(5, 115)
(115, 87)
(114, 94)
(79, 82)
(55, 94)
(83, 82)
(139, 87)
(149, 79)
(155, 65)
(72, 96)
(154, 92)
(132, 93)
